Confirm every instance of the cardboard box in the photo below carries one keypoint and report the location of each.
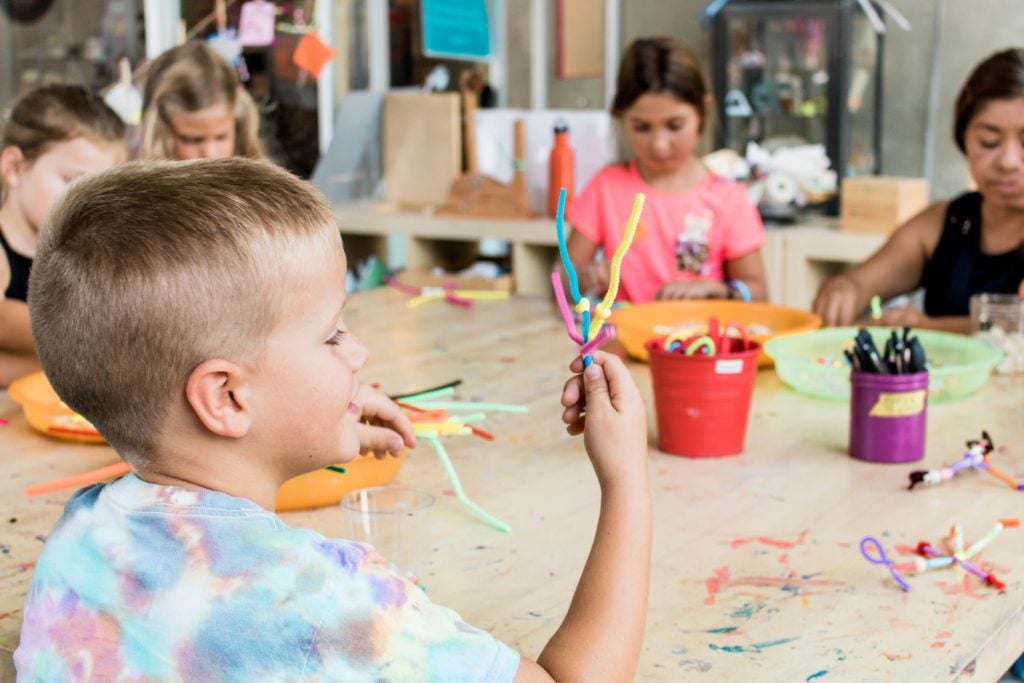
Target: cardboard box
(880, 204)
(422, 277)
(422, 147)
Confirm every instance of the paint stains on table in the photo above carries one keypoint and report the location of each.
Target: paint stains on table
(793, 584)
(940, 639)
(816, 675)
(755, 648)
(714, 584)
(748, 610)
(697, 665)
(967, 585)
(768, 540)
(897, 657)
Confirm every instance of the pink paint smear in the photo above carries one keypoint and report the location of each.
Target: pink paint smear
(767, 540)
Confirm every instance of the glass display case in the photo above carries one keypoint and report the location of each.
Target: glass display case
(791, 72)
(74, 41)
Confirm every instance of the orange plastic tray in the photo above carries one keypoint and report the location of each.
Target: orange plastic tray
(326, 487)
(47, 413)
(636, 324)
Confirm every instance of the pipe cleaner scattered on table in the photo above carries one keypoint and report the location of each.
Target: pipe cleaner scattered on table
(931, 558)
(449, 293)
(977, 457)
(428, 412)
(591, 333)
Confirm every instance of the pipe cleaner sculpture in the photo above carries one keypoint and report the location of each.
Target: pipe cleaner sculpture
(590, 334)
(977, 457)
(931, 558)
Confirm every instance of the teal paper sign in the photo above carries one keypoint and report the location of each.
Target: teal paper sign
(456, 28)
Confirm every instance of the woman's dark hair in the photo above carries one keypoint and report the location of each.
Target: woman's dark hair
(1000, 77)
(660, 64)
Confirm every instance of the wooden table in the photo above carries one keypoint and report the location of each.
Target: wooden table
(756, 574)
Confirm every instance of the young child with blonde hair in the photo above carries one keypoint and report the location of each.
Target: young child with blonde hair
(195, 107)
(54, 135)
(222, 339)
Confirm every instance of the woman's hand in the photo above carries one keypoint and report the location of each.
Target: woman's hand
(694, 289)
(904, 317)
(837, 301)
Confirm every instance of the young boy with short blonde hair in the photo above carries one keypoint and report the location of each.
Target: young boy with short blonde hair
(193, 313)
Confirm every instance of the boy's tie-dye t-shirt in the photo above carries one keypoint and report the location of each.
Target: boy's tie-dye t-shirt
(140, 582)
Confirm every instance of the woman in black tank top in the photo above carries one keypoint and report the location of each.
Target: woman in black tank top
(955, 249)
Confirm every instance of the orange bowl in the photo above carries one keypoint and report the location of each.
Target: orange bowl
(636, 324)
(47, 413)
(326, 487)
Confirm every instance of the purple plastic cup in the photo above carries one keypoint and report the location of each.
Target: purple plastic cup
(888, 416)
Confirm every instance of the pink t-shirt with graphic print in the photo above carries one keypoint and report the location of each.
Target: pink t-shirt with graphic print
(681, 235)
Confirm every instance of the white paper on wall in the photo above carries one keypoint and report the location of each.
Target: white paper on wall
(591, 135)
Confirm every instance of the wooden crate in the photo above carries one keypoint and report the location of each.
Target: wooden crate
(880, 204)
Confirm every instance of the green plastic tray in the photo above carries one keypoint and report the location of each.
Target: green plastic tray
(813, 363)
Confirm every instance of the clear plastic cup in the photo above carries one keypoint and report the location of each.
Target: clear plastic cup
(999, 320)
(1005, 311)
(393, 519)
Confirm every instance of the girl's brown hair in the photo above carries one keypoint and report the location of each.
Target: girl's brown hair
(660, 64)
(1000, 77)
(189, 78)
(55, 113)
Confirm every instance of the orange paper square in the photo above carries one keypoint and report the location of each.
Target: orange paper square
(312, 53)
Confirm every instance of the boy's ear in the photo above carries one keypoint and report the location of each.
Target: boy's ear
(12, 163)
(216, 391)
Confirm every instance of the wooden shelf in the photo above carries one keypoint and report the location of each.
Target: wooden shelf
(796, 258)
(434, 240)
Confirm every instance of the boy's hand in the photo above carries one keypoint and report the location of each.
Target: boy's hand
(388, 429)
(605, 405)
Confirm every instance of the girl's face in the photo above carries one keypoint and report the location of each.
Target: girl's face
(205, 134)
(994, 142)
(35, 186)
(662, 131)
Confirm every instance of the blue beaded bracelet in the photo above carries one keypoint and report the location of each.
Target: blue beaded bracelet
(740, 287)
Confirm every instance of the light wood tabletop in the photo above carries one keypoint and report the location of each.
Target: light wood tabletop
(757, 574)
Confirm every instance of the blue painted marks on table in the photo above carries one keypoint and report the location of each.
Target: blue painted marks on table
(754, 648)
(816, 675)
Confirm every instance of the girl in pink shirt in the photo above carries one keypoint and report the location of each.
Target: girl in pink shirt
(700, 236)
